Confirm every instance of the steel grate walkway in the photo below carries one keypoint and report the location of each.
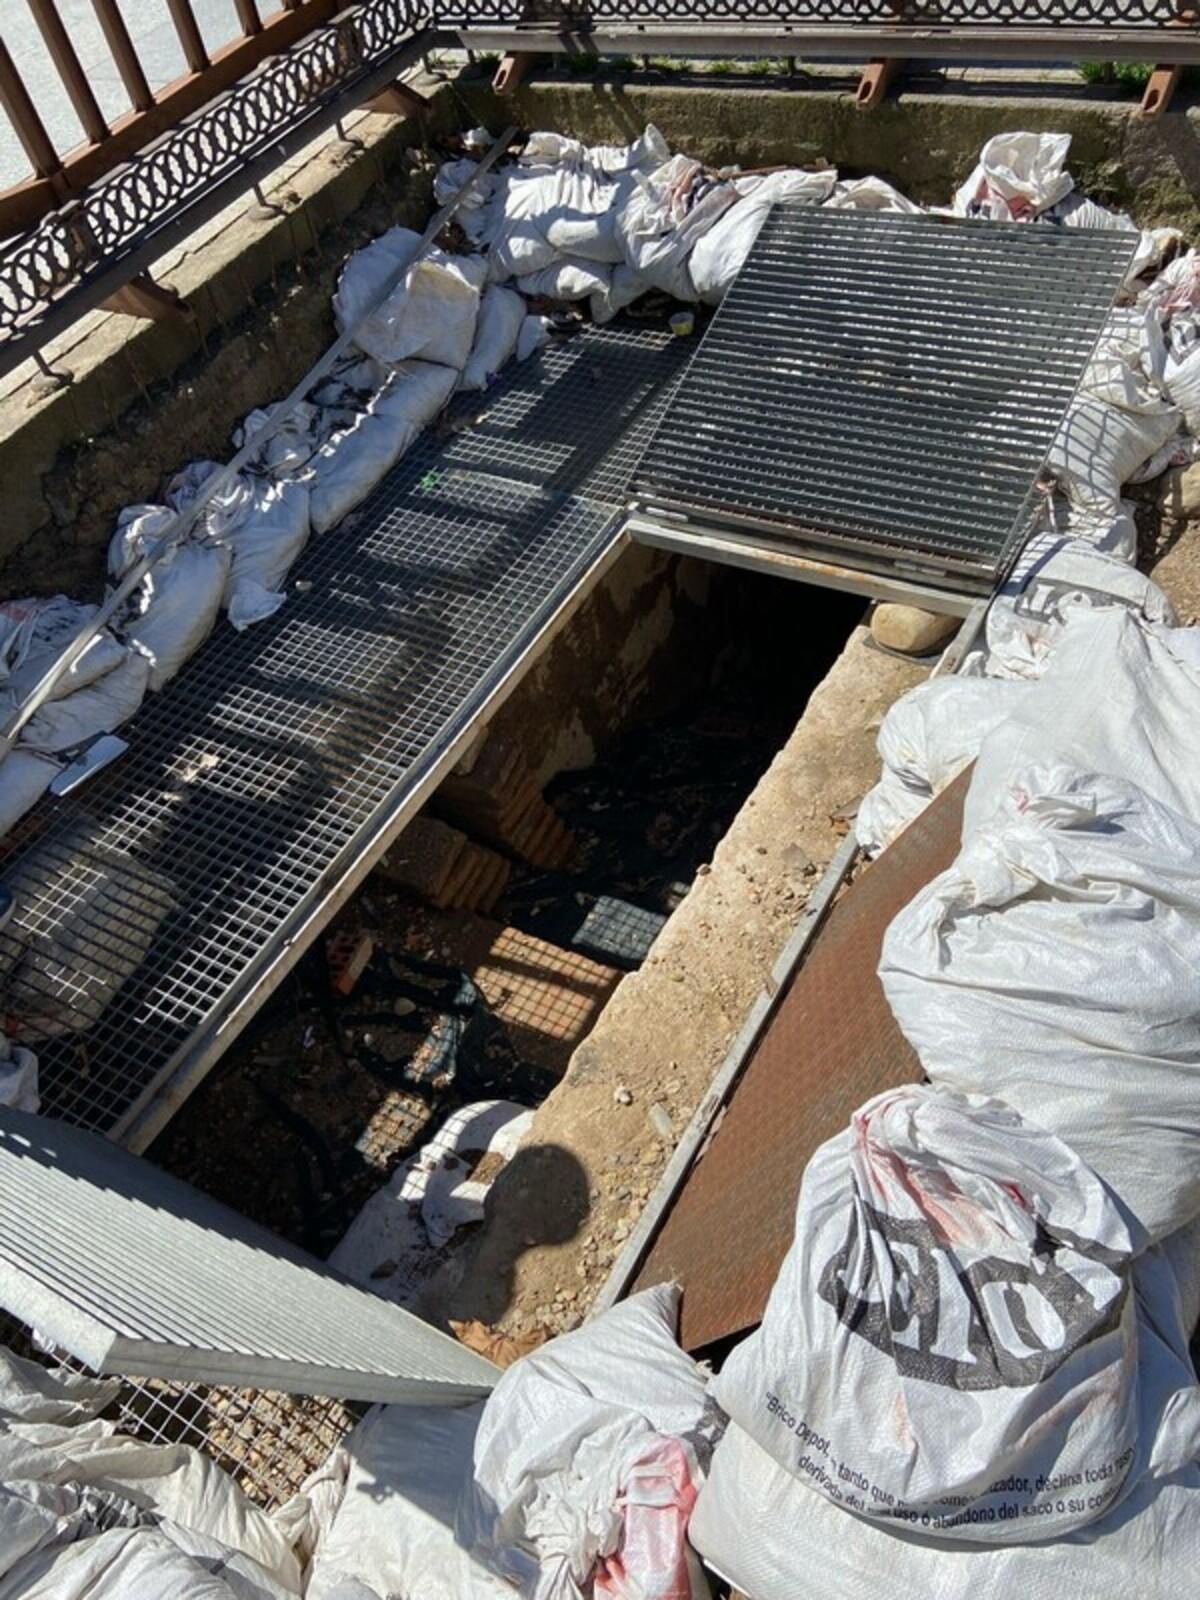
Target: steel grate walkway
(155, 906)
(884, 390)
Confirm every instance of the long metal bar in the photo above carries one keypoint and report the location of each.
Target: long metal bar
(75, 80)
(117, 37)
(854, 42)
(27, 125)
(752, 553)
(188, 33)
(183, 521)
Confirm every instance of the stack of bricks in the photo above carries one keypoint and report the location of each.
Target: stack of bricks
(443, 866)
(500, 799)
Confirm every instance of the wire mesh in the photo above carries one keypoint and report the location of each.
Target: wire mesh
(267, 1442)
(887, 387)
(148, 901)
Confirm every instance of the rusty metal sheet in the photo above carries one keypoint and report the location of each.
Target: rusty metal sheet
(831, 1044)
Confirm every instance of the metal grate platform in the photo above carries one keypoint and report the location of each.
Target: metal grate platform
(158, 906)
(885, 389)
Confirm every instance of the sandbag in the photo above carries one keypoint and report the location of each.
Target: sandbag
(565, 280)
(1053, 578)
(501, 315)
(721, 253)
(18, 1076)
(450, 180)
(176, 605)
(870, 194)
(430, 314)
(1141, 727)
(664, 216)
(1054, 964)
(24, 779)
(63, 724)
(925, 741)
(345, 470)
(34, 633)
(290, 446)
(773, 1537)
(1100, 446)
(1019, 175)
(403, 1470)
(952, 1335)
(265, 543)
(561, 1434)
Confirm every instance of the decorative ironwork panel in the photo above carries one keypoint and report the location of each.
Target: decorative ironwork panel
(73, 244)
(869, 13)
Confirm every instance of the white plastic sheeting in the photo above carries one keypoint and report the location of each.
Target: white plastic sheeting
(1019, 175)
(86, 1514)
(18, 1076)
(952, 1328)
(559, 1447)
(772, 1535)
(1054, 965)
(396, 1242)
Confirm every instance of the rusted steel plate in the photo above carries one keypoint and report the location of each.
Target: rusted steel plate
(832, 1044)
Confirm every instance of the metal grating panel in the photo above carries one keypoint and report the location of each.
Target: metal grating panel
(152, 902)
(132, 1271)
(832, 1044)
(886, 387)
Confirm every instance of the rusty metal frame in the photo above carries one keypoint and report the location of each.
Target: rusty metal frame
(56, 177)
(81, 254)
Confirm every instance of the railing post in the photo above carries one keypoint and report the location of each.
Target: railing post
(248, 16)
(62, 53)
(35, 141)
(184, 19)
(116, 36)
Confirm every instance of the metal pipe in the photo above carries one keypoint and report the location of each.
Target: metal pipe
(116, 36)
(14, 97)
(67, 64)
(184, 19)
(182, 522)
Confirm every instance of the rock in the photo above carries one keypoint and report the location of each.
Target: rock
(660, 1120)
(623, 1096)
(910, 630)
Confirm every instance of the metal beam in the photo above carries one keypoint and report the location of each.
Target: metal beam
(755, 554)
(851, 42)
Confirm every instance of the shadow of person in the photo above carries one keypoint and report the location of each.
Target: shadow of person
(539, 1199)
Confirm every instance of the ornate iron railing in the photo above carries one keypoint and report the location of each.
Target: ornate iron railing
(1110, 14)
(94, 244)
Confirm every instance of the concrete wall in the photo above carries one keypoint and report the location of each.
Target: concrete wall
(925, 142)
